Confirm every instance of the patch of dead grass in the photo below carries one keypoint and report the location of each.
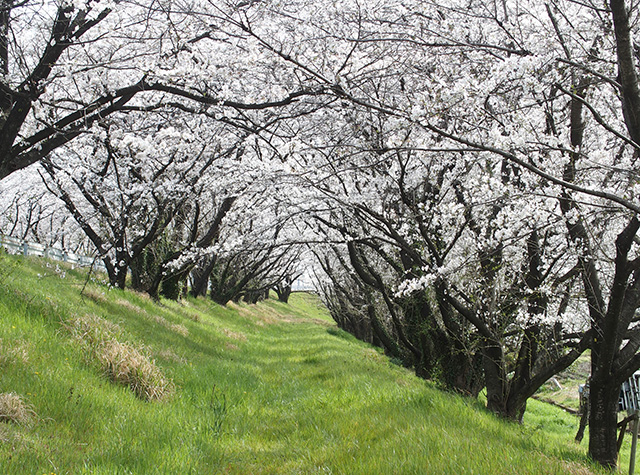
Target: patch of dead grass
(126, 365)
(121, 362)
(92, 329)
(187, 311)
(14, 409)
(572, 468)
(373, 355)
(234, 335)
(16, 351)
(129, 306)
(174, 327)
(194, 317)
(160, 320)
(179, 328)
(259, 315)
(264, 315)
(141, 295)
(4, 435)
(96, 296)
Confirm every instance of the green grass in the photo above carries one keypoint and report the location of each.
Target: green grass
(271, 388)
(565, 393)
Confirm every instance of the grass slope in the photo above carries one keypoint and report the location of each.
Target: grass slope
(271, 388)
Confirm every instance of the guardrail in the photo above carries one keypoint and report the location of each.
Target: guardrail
(303, 285)
(18, 246)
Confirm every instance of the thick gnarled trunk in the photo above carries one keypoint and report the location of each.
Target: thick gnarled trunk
(603, 423)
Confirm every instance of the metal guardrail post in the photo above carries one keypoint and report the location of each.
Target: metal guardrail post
(634, 442)
(18, 246)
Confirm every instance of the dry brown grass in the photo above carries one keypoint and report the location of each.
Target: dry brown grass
(194, 317)
(126, 365)
(179, 328)
(189, 312)
(4, 435)
(572, 468)
(372, 355)
(160, 320)
(234, 335)
(121, 362)
(16, 351)
(14, 409)
(174, 327)
(91, 329)
(140, 295)
(98, 297)
(259, 315)
(263, 315)
(129, 306)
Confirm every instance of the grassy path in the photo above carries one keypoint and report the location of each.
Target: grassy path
(271, 388)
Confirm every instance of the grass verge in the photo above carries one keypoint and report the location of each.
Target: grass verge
(270, 388)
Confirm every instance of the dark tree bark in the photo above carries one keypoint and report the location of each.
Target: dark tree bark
(116, 256)
(344, 298)
(603, 433)
(283, 291)
(165, 272)
(200, 276)
(231, 277)
(6, 97)
(612, 359)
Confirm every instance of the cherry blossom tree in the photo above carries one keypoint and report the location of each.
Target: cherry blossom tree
(470, 168)
(67, 65)
(465, 271)
(550, 90)
(147, 173)
(28, 212)
(261, 243)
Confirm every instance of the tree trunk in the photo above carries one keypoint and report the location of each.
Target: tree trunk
(172, 285)
(386, 341)
(201, 276)
(516, 407)
(283, 291)
(602, 423)
(119, 277)
(495, 378)
(517, 398)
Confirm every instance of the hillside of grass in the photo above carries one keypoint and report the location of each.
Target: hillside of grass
(102, 381)
(563, 389)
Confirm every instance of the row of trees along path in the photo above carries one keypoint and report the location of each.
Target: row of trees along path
(462, 181)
